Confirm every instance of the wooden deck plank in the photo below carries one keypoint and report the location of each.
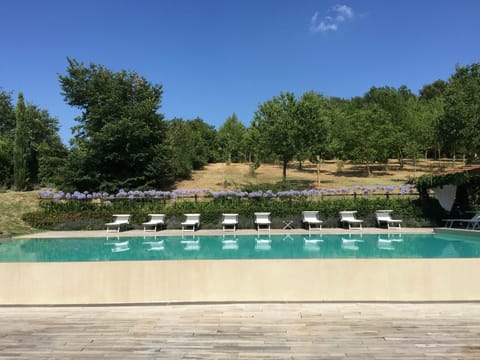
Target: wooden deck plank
(244, 331)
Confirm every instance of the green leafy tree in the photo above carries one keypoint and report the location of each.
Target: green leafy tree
(7, 135)
(46, 150)
(118, 131)
(340, 110)
(459, 127)
(364, 136)
(51, 155)
(6, 163)
(204, 143)
(7, 114)
(253, 150)
(180, 147)
(433, 90)
(20, 149)
(395, 102)
(231, 139)
(432, 98)
(279, 128)
(423, 118)
(189, 145)
(40, 140)
(313, 118)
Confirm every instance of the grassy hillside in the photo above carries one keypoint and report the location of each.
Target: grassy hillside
(12, 205)
(333, 174)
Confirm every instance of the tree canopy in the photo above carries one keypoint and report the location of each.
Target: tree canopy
(279, 128)
(460, 125)
(231, 139)
(119, 128)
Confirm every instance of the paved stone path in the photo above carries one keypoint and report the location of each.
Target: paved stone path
(243, 331)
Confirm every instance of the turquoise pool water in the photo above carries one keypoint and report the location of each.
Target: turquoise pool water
(114, 248)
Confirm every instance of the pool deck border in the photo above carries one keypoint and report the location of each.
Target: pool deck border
(175, 232)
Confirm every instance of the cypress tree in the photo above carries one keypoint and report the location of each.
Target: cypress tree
(20, 147)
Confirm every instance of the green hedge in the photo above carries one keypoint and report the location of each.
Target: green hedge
(88, 215)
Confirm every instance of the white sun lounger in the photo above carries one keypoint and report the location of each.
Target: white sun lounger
(472, 223)
(385, 217)
(191, 221)
(310, 219)
(230, 220)
(155, 221)
(349, 218)
(262, 220)
(121, 219)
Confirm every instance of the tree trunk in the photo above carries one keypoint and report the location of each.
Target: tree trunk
(400, 159)
(318, 171)
(284, 170)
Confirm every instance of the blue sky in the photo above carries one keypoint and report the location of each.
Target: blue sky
(216, 57)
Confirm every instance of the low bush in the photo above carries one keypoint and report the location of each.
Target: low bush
(90, 215)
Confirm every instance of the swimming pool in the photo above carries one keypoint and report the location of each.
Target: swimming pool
(351, 267)
(265, 246)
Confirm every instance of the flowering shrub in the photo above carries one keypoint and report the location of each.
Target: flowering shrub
(88, 214)
(268, 194)
(59, 210)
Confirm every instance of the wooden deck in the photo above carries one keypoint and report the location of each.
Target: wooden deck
(243, 331)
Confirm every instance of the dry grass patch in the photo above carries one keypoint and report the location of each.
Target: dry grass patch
(222, 176)
(12, 205)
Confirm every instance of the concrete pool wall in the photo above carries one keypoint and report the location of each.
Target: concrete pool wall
(240, 281)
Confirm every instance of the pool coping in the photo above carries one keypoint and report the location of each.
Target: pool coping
(175, 232)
